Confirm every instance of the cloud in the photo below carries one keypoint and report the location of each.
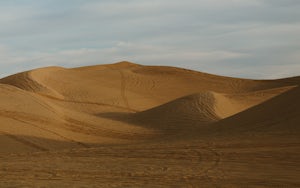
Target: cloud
(207, 35)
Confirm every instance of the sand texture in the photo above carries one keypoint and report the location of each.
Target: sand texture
(128, 125)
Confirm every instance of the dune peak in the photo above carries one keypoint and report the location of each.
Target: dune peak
(124, 64)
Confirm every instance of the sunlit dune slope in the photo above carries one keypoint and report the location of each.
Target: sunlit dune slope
(56, 108)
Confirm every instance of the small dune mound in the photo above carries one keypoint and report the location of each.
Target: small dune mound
(22, 81)
(190, 111)
(31, 80)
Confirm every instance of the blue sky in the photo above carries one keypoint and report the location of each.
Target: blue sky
(243, 38)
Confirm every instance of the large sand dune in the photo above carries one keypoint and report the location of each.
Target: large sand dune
(130, 125)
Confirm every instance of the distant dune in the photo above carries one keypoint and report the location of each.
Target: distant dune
(124, 107)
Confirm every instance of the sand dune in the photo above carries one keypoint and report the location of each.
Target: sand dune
(127, 107)
(190, 112)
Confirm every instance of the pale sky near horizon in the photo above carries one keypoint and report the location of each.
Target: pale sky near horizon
(257, 39)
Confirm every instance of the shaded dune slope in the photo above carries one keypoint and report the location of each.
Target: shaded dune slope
(278, 118)
(127, 102)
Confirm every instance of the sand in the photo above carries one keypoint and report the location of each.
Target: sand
(128, 125)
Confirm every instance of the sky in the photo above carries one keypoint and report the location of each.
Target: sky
(258, 39)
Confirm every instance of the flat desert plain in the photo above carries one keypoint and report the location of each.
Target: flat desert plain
(128, 125)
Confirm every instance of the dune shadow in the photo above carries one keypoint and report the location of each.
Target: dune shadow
(165, 123)
(118, 116)
(129, 118)
(10, 143)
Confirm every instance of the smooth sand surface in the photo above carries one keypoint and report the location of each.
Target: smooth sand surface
(128, 125)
